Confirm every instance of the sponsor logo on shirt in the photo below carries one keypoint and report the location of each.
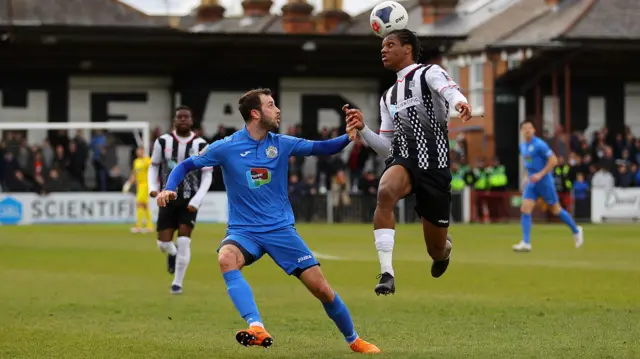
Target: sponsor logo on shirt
(257, 177)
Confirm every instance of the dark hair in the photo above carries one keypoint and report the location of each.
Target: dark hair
(185, 108)
(527, 122)
(251, 101)
(408, 37)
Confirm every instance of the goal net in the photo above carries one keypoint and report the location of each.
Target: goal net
(90, 154)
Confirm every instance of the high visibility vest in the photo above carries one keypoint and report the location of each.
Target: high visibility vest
(562, 172)
(457, 181)
(481, 180)
(498, 177)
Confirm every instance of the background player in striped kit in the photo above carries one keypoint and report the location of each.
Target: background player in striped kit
(414, 134)
(169, 150)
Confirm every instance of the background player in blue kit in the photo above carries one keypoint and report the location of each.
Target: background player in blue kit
(254, 165)
(539, 161)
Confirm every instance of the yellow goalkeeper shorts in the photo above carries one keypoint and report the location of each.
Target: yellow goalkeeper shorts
(142, 194)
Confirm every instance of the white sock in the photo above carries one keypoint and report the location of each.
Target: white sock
(256, 324)
(384, 245)
(182, 259)
(167, 247)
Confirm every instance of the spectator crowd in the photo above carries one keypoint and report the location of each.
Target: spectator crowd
(75, 163)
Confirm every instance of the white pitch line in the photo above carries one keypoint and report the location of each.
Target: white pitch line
(510, 261)
(327, 257)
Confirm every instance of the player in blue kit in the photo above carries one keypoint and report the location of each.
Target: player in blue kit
(254, 165)
(539, 161)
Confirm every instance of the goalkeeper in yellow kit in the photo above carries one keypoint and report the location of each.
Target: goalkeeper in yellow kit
(139, 176)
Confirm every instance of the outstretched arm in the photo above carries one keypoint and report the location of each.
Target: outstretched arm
(380, 143)
(301, 147)
(178, 173)
(329, 147)
(208, 157)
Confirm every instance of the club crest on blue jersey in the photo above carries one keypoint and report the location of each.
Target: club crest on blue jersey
(272, 152)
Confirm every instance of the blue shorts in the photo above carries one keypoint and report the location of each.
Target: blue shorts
(284, 246)
(545, 189)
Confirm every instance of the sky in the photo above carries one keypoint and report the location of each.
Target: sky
(234, 7)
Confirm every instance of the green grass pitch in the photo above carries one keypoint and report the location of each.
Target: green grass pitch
(101, 292)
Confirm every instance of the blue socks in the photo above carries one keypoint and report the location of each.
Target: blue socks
(568, 220)
(525, 222)
(339, 313)
(242, 296)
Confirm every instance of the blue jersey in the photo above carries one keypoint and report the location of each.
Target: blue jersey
(535, 154)
(256, 177)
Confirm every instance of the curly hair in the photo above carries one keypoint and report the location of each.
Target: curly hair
(408, 37)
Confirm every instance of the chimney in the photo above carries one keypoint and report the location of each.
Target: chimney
(256, 8)
(332, 16)
(552, 3)
(296, 17)
(209, 11)
(434, 10)
(174, 21)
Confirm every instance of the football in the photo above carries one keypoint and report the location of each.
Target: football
(388, 16)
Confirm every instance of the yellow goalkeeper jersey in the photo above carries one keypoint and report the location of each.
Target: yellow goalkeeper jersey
(140, 169)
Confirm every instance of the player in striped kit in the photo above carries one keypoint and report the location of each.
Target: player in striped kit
(169, 150)
(414, 136)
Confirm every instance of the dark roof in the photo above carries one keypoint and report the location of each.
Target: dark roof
(257, 24)
(469, 15)
(501, 25)
(74, 12)
(272, 24)
(543, 29)
(533, 23)
(86, 14)
(608, 19)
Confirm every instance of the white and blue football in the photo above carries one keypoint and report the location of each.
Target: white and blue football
(388, 16)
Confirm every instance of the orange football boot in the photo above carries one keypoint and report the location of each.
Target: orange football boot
(255, 335)
(361, 346)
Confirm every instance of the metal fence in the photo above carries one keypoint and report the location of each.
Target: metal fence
(465, 207)
(359, 208)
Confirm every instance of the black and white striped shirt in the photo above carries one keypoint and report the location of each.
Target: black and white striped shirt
(171, 149)
(416, 111)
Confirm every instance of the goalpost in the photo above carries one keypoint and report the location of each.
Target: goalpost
(134, 126)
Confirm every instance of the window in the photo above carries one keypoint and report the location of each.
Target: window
(476, 85)
(454, 73)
